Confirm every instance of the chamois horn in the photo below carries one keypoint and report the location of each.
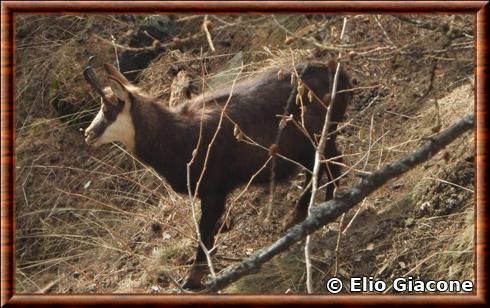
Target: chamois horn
(92, 79)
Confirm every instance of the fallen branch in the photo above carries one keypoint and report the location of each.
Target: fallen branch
(327, 212)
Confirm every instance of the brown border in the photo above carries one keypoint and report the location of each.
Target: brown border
(8, 8)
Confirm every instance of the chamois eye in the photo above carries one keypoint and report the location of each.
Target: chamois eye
(120, 103)
(108, 111)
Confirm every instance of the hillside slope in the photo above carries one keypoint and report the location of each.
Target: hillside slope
(95, 220)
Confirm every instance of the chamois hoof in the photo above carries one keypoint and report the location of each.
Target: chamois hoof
(293, 219)
(193, 286)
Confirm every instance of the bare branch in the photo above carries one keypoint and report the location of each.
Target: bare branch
(205, 28)
(316, 168)
(206, 158)
(327, 212)
(272, 181)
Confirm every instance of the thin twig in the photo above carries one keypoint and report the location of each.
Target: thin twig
(452, 184)
(233, 202)
(309, 40)
(287, 107)
(193, 196)
(376, 18)
(205, 28)
(316, 168)
(337, 246)
(371, 129)
(113, 39)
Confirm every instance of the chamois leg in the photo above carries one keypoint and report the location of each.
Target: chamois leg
(212, 208)
(333, 170)
(301, 209)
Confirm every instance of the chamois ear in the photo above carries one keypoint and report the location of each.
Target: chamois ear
(120, 90)
(113, 72)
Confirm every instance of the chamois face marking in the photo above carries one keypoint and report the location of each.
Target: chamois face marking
(113, 122)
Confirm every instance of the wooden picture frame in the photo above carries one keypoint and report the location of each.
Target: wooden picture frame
(11, 8)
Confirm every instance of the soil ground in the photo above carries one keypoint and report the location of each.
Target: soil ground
(95, 220)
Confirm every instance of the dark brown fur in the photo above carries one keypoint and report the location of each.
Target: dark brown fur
(166, 138)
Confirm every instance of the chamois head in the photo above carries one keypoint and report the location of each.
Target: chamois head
(113, 122)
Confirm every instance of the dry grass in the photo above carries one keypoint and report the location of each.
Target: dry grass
(96, 220)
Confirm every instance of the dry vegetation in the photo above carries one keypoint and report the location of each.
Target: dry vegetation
(97, 220)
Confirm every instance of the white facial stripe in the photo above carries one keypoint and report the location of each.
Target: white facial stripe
(122, 129)
(98, 118)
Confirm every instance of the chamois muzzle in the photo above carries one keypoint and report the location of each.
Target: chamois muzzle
(90, 137)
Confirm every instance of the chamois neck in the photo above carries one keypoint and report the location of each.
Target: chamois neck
(161, 138)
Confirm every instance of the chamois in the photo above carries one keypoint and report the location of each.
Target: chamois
(166, 138)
